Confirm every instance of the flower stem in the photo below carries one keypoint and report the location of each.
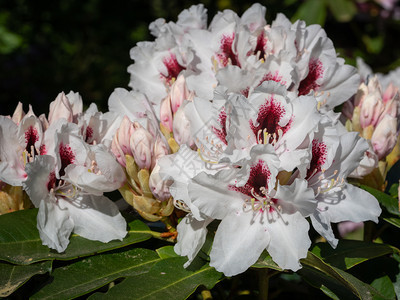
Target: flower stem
(263, 283)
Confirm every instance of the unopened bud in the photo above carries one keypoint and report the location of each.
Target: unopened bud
(385, 136)
(141, 145)
(159, 187)
(181, 128)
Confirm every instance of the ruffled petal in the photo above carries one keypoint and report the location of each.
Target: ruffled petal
(95, 218)
(191, 236)
(238, 243)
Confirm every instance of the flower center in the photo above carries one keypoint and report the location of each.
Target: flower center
(173, 68)
(315, 71)
(67, 157)
(256, 188)
(319, 153)
(226, 55)
(221, 133)
(268, 130)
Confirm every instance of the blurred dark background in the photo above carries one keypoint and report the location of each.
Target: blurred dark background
(52, 46)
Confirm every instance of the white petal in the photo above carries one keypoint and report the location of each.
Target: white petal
(54, 224)
(238, 243)
(323, 226)
(39, 175)
(11, 163)
(212, 196)
(191, 237)
(95, 218)
(355, 205)
(289, 240)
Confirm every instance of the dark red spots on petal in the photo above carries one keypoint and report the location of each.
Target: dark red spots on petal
(258, 180)
(226, 55)
(173, 68)
(319, 154)
(31, 137)
(272, 77)
(42, 150)
(89, 133)
(268, 120)
(52, 181)
(221, 133)
(67, 157)
(315, 72)
(260, 47)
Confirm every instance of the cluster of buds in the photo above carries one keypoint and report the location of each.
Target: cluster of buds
(376, 116)
(137, 149)
(173, 123)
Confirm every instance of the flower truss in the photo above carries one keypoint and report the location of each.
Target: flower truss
(228, 126)
(64, 165)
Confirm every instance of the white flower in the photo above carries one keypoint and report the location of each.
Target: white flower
(67, 187)
(254, 215)
(333, 159)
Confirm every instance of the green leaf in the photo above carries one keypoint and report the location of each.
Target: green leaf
(393, 221)
(166, 252)
(342, 10)
(334, 282)
(265, 261)
(312, 12)
(94, 272)
(20, 241)
(350, 253)
(390, 203)
(394, 190)
(12, 276)
(166, 280)
(385, 286)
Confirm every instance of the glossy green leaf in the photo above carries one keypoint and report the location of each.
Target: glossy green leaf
(389, 202)
(385, 286)
(334, 282)
(265, 261)
(13, 276)
(342, 10)
(96, 271)
(166, 252)
(312, 12)
(20, 241)
(394, 190)
(166, 280)
(350, 253)
(393, 221)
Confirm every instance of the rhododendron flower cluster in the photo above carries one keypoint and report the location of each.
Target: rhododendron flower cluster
(229, 126)
(268, 152)
(63, 164)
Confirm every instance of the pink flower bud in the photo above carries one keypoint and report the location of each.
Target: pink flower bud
(384, 137)
(181, 128)
(166, 113)
(159, 187)
(141, 145)
(160, 150)
(371, 109)
(117, 151)
(123, 134)
(389, 93)
(60, 108)
(392, 107)
(179, 93)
